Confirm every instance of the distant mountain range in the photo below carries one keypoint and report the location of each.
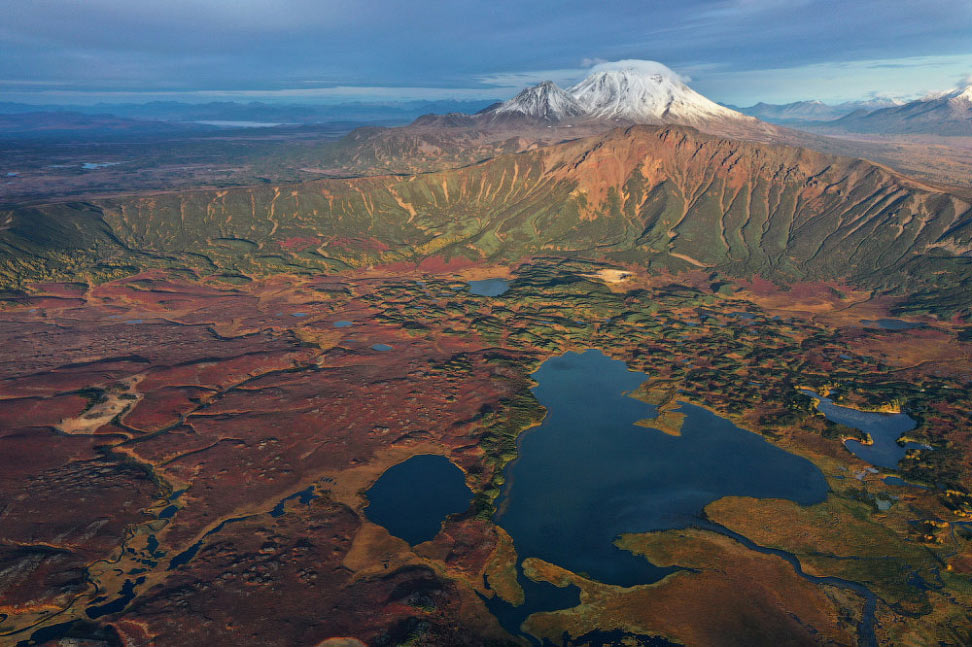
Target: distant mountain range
(60, 122)
(21, 118)
(946, 114)
(802, 112)
(624, 92)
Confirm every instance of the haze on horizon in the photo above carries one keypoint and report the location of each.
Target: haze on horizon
(734, 51)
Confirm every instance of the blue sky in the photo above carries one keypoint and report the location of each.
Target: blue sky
(735, 51)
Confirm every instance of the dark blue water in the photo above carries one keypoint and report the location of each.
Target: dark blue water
(894, 480)
(381, 347)
(589, 474)
(185, 556)
(305, 496)
(489, 287)
(413, 498)
(883, 428)
(891, 324)
(119, 603)
(342, 324)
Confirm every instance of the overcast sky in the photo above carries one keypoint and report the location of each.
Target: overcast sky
(734, 51)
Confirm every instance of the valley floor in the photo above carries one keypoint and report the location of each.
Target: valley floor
(184, 459)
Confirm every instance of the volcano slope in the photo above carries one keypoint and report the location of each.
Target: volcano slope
(663, 198)
(186, 436)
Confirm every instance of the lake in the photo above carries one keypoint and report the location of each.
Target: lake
(588, 474)
(489, 287)
(93, 166)
(891, 324)
(413, 498)
(226, 123)
(883, 428)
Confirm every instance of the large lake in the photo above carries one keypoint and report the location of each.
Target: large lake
(589, 474)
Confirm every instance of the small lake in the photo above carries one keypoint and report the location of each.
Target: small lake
(227, 123)
(489, 287)
(413, 498)
(891, 324)
(94, 166)
(588, 474)
(381, 347)
(342, 324)
(883, 428)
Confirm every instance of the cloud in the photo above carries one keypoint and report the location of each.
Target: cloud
(903, 78)
(730, 47)
(642, 67)
(522, 79)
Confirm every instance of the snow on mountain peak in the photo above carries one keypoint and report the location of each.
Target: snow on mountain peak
(964, 94)
(543, 101)
(645, 92)
(638, 67)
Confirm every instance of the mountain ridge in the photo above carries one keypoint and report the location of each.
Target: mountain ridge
(810, 112)
(665, 198)
(947, 114)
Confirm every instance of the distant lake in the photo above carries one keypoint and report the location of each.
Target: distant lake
(93, 166)
(413, 498)
(489, 287)
(883, 428)
(221, 123)
(588, 474)
(891, 324)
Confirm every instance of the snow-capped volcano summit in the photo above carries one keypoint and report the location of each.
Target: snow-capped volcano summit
(545, 101)
(645, 92)
(621, 93)
(641, 92)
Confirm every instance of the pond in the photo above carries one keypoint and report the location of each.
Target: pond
(489, 287)
(883, 428)
(891, 324)
(413, 498)
(381, 347)
(93, 166)
(588, 474)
